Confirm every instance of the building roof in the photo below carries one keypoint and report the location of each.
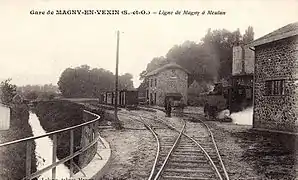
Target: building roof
(167, 66)
(281, 33)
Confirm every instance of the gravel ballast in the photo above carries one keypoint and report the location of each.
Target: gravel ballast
(246, 154)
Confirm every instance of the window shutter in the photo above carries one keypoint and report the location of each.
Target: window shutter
(282, 87)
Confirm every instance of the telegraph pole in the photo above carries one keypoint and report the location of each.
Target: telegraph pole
(116, 83)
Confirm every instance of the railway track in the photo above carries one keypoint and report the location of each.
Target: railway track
(181, 156)
(159, 129)
(210, 146)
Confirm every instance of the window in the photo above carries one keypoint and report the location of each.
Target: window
(155, 82)
(274, 87)
(151, 82)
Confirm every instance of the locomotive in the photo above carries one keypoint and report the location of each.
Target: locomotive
(235, 97)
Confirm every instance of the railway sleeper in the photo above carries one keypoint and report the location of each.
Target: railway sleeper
(183, 143)
(170, 143)
(193, 148)
(192, 170)
(175, 158)
(198, 161)
(185, 157)
(193, 144)
(185, 178)
(192, 154)
(188, 161)
(188, 150)
(199, 172)
(188, 165)
(168, 140)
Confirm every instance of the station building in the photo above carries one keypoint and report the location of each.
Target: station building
(170, 80)
(276, 80)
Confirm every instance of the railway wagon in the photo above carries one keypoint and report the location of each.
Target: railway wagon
(126, 98)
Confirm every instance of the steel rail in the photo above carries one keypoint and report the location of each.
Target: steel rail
(156, 138)
(170, 152)
(205, 152)
(53, 132)
(157, 151)
(217, 151)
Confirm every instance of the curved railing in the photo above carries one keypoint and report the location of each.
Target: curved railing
(29, 141)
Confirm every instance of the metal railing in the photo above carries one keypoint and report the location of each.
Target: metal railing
(93, 124)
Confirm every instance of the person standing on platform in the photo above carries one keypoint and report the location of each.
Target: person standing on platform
(168, 107)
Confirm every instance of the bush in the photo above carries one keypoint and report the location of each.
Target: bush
(13, 157)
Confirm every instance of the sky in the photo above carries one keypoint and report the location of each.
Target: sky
(35, 49)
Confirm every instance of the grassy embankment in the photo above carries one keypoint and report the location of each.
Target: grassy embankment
(13, 157)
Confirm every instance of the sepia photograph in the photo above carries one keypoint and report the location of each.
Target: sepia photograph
(149, 90)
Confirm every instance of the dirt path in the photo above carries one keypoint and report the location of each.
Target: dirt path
(133, 151)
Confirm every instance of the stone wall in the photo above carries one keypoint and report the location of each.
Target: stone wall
(88, 135)
(276, 61)
(169, 81)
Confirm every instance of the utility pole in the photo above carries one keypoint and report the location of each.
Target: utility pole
(116, 83)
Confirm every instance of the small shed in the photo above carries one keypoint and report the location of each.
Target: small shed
(4, 117)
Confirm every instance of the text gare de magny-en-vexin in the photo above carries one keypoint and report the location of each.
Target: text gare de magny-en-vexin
(123, 12)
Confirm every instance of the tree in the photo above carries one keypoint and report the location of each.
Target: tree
(86, 82)
(8, 91)
(207, 61)
(249, 35)
(222, 42)
(32, 95)
(198, 59)
(32, 92)
(125, 81)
